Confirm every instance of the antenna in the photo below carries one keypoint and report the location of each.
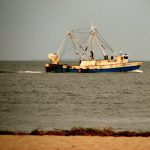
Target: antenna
(93, 28)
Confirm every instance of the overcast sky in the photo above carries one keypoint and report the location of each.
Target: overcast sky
(30, 29)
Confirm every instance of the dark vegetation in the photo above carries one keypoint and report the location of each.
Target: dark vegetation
(78, 131)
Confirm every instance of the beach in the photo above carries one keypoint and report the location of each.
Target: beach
(26, 142)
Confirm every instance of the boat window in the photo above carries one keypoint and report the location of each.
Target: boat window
(106, 57)
(125, 57)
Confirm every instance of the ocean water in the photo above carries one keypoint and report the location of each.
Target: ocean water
(31, 98)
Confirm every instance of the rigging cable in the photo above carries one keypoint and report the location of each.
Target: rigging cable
(105, 42)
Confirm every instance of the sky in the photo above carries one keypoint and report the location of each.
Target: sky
(30, 29)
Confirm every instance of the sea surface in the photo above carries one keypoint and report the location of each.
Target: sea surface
(31, 98)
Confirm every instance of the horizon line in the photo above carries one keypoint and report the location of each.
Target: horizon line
(62, 60)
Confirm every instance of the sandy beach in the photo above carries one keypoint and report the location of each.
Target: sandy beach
(26, 142)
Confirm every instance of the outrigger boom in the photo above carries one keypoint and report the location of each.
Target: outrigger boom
(85, 52)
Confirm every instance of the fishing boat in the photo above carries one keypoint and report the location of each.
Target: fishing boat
(94, 55)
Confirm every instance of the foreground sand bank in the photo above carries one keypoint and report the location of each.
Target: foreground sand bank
(26, 142)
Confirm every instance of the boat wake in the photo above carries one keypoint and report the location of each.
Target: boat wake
(29, 71)
(137, 71)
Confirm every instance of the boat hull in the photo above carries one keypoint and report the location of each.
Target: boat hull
(60, 69)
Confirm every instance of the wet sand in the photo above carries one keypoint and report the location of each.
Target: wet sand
(26, 142)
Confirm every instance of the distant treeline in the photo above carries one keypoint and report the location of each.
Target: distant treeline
(79, 131)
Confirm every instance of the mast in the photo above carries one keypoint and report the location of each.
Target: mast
(61, 45)
(74, 40)
(94, 38)
(73, 37)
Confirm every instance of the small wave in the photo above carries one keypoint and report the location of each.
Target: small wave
(29, 71)
(137, 71)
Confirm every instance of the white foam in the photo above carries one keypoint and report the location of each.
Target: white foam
(137, 71)
(29, 71)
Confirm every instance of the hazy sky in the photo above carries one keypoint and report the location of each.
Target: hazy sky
(30, 29)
